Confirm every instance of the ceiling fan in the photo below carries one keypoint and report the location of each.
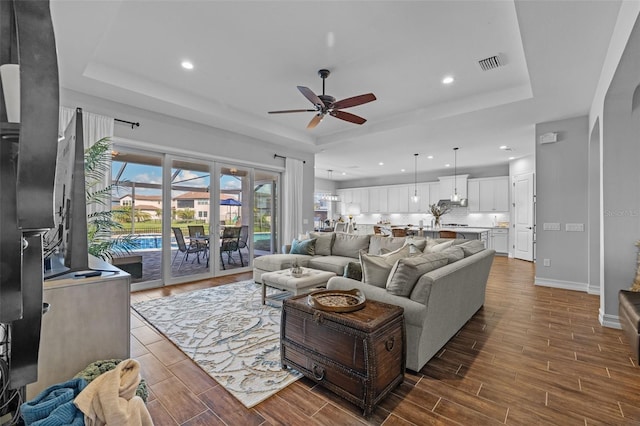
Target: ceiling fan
(326, 104)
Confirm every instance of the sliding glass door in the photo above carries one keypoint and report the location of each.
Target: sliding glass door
(190, 218)
(266, 202)
(235, 224)
(136, 204)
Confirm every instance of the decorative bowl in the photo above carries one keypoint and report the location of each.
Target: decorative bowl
(337, 300)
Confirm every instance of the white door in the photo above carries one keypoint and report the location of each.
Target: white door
(524, 217)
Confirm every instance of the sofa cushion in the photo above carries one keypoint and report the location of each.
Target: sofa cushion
(324, 241)
(380, 242)
(405, 273)
(376, 268)
(333, 264)
(349, 245)
(276, 262)
(472, 247)
(303, 247)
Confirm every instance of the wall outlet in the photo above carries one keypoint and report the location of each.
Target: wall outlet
(547, 262)
(305, 221)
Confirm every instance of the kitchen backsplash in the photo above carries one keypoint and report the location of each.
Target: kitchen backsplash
(458, 215)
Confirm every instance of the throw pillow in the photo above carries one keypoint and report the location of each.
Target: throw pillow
(417, 244)
(407, 271)
(303, 247)
(454, 253)
(441, 246)
(353, 270)
(349, 245)
(324, 241)
(376, 268)
(378, 243)
(472, 247)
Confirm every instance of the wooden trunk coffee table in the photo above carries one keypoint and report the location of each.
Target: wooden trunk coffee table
(358, 355)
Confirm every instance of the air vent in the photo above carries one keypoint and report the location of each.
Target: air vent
(491, 63)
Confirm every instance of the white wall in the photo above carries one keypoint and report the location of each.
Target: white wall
(169, 134)
(561, 197)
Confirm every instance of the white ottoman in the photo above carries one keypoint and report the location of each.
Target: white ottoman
(283, 280)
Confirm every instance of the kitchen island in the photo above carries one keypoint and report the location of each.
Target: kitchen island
(461, 232)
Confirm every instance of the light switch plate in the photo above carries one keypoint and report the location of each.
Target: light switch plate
(574, 227)
(551, 226)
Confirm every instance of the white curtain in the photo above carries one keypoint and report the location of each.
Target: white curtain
(292, 220)
(94, 128)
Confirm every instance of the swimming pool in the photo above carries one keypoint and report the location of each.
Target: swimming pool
(154, 241)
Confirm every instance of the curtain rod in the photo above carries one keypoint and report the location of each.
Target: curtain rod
(284, 158)
(133, 125)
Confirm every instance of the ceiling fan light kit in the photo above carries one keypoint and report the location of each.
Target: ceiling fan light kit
(326, 104)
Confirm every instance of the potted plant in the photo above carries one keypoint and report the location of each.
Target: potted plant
(101, 224)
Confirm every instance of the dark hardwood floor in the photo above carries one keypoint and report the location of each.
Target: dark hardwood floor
(532, 355)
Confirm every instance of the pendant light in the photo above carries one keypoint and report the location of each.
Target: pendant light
(455, 197)
(415, 198)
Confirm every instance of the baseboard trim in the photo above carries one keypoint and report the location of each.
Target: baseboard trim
(611, 321)
(566, 285)
(594, 289)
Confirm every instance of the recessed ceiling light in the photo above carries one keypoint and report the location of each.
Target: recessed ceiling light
(512, 158)
(430, 157)
(187, 65)
(447, 165)
(344, 173)
(447, 80)
(381, 164)
(504, 147)
(402, 170)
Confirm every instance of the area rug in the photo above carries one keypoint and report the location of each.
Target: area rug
(228, 332)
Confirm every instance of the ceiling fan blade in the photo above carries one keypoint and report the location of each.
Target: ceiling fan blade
(308, 93)
(291, 110)
(315, 121)
(347, 116)
(354, 101)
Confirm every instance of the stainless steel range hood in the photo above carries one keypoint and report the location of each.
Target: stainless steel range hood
(446, 202)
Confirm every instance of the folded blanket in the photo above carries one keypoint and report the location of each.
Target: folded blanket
(54, 405)
(96, 368)
(110, 398)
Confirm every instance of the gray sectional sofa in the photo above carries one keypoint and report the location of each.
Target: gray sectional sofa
(440, 289)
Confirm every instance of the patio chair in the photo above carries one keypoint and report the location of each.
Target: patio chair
(183, 247)
(242, 242)
(229, 243)
(198, 237)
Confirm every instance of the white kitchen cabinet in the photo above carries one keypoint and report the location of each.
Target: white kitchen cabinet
(434, 193)
(398, 199)
(360, 197)
(378, 200)
(489, 195)
(473, 195)
(499, 240)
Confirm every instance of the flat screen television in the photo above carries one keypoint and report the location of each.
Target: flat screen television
(66, 247)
